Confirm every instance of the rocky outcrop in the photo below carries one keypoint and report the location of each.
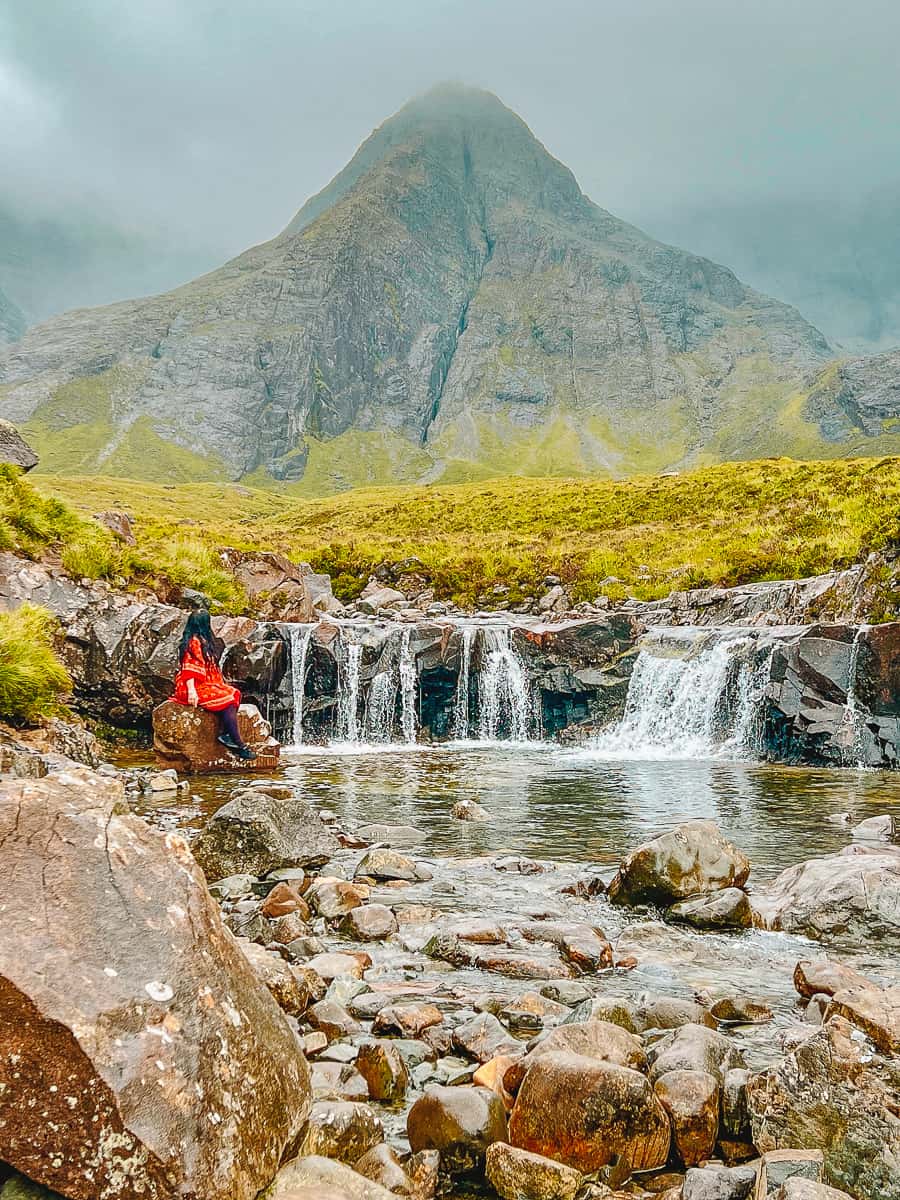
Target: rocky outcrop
(851, 896)
(14, 449)
(834, 696)
(187, 739)
(12, 321)
(829, 1094)
(279, 589)
(139, 1054)
(861, 592)
(391, 332)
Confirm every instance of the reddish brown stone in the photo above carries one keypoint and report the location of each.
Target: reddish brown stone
(139, 1054)
(186, 738)
(588, 1113)
(284, 899)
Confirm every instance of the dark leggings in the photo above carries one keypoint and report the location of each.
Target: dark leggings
(229, 723)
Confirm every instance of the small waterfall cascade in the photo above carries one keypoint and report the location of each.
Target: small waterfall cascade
(504, 698)
(693, 694)
(409, 688)
(460, 725)
(381, 707)
(851, 733)
(299, 642)
(348, 724)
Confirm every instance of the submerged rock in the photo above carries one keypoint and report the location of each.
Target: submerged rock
(727, 909)
(693, 858)
(132, 1023)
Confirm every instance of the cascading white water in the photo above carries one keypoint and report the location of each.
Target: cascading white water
(348, 729)
(503, 693)
(380, 707)
(409, 687)
(701, 699)
(299, 641)
(460, 723)
(850, 736)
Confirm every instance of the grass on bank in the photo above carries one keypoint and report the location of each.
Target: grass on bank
(722, 525)
(32, 679)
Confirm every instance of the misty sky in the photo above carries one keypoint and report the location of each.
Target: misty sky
(215, 120)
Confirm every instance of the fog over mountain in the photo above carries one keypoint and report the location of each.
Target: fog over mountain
(143, 144)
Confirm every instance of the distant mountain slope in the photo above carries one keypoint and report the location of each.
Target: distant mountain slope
(451, 306)
(839, 261)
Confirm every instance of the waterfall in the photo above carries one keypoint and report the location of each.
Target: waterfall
(850, 736)
(348, 695)
(460, 724)
(691, 695)
(409, 687)
(299, 642)
(380, 708)
(503, 693)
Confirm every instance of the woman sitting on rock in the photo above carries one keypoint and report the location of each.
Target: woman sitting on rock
(200, 684)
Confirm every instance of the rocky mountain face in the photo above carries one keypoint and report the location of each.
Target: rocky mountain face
(450, 306)
(12, 322)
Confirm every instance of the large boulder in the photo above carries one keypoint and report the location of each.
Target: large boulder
(278, 588)
(139, 1054)
(693, 858)
(587, 1113)
(187, 739)
(262, 830)
(853, 895)
(830, 1094)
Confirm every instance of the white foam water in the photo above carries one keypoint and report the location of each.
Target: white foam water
(693, 694)
(504, 699)
(299, 642)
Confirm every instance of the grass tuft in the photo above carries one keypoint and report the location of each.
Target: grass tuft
(32, 679)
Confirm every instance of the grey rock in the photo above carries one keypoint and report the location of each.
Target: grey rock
(257, 832)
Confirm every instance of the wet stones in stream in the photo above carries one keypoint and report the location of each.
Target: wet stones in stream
(568, 1086)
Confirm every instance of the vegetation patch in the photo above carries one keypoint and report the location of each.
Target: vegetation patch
(717, 526)
(32, 679)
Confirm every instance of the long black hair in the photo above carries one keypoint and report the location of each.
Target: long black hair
(198, 626)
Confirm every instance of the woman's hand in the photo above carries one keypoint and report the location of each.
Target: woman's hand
(193, 698)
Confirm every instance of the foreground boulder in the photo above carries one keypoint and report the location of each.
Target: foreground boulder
(853, 895)
(139, 1054)
(829, 1094)
(186, 738)
(696, 857)
(588, 1113)
(263, 829)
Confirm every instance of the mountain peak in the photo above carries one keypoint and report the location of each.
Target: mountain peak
(466, 129)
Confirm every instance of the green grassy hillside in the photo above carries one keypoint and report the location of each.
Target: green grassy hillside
(724, 525)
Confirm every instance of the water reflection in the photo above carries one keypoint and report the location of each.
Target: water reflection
(573, 806)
